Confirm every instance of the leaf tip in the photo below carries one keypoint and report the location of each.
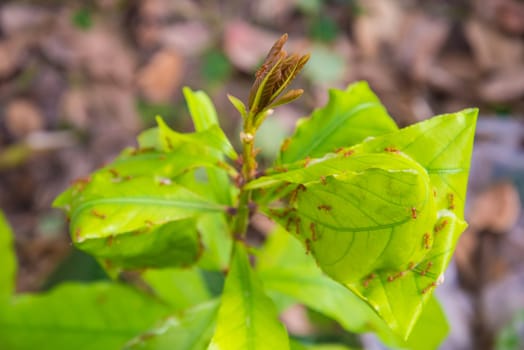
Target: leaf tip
(159, 120)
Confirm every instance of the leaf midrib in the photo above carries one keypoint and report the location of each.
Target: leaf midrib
(337, 121)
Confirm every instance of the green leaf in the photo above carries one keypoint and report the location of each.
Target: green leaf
(93, 316)
(216, 240)
(201, 109)
(176, 243)
(350, 116)
(383, 217)
(7, 261)
(239, 105)
(138, 193)
(150, 139)
(431, 329)
(103, 208)
(192, 330)
(287, 271)
(443, 146)
(131, 164)
(210, 139)
(205, 117)
(130, 221)
(247, 318)
(213, 228)
(181, 288)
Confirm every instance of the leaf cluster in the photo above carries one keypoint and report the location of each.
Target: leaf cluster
(367, 217)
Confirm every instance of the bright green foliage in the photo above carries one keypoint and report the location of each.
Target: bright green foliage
(7, 261)
(91, 316)
(173, 244)
(131, 222)
(304, 282)
(379, 209)
(166, 284)
(430, 330)
(213, 227)
(212, 138)
(350, 116)
(192, 330)
(247, 318)
(216, 241)
(368, 217)
(125, 212)
(204, 118)
(383, 217)
(239, 105)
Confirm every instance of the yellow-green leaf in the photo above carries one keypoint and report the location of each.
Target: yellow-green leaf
(247, 318)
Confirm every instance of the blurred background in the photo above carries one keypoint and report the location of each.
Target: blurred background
(80, 79)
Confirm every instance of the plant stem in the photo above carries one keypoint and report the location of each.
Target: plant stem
(249, 165)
